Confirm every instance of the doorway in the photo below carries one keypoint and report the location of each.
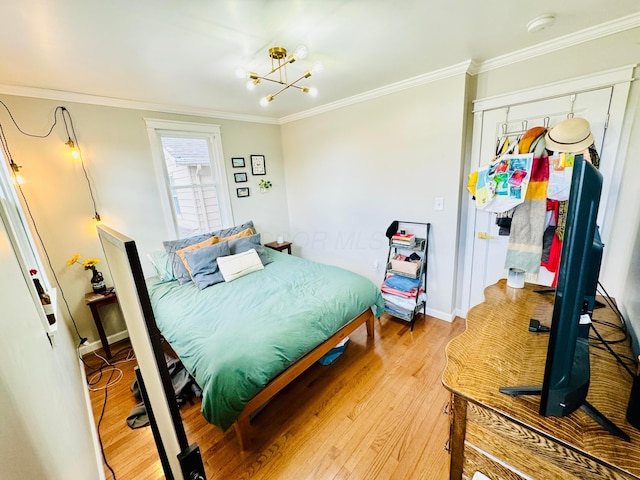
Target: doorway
(600, 99)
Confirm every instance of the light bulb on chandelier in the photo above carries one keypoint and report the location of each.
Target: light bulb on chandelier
(279, 62)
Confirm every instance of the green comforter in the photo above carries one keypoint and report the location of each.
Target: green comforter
(235, 337)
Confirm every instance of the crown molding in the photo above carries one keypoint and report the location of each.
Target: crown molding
(443, 73)
(582, 36)
(59, 95)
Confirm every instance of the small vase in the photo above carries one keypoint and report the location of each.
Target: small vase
(97, 282)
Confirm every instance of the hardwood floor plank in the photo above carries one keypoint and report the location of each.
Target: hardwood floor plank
(376, 412)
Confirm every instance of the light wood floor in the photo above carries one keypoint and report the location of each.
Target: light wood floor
(375, 413)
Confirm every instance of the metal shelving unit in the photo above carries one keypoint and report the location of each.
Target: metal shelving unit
(397, 306)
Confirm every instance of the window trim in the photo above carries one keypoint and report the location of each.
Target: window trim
(25, 250)
(157, 127)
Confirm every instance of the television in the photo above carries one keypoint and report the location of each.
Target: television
(567, 372)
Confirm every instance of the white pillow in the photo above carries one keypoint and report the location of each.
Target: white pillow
(236, 266)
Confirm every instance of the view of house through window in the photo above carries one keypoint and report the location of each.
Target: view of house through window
(189, 165)
(192, 185)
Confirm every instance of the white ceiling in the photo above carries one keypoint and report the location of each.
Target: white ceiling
(184, 53)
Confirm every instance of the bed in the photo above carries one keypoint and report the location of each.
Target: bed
(244, 340)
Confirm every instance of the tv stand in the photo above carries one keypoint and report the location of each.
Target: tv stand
(505, 436)
(586, 407)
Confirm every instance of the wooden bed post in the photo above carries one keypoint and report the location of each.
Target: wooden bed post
(242, 427)
(370, 326)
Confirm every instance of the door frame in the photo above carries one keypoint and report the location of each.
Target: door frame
(619, 78)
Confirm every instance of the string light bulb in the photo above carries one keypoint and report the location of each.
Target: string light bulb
(75, 154)
(16, 172)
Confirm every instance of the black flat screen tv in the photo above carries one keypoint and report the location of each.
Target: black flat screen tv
(567, 372)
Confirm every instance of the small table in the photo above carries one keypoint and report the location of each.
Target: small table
(96, 300)
(280, 246)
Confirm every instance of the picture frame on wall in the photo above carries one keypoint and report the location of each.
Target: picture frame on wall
(240, 177)
(242, 192)
(237, 162)
(258, 165)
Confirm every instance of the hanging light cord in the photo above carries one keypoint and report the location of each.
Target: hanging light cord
(7, 151)
(71, 133)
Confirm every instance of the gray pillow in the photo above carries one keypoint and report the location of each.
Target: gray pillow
(227, 232)
(204, 264)
(243, 244)
(172, 246)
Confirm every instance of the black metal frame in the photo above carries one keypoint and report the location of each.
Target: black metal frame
(128, 247)
(424, 267)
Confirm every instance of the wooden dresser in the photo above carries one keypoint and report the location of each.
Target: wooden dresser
(504, 437)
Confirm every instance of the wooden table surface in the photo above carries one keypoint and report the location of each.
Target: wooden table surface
(497, 350)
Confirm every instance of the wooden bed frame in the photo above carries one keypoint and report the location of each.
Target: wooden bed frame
(126, 270)
(242, 424)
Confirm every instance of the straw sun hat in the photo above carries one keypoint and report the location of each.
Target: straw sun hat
(570, 135)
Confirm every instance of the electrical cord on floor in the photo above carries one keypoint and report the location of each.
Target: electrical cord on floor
(104, 407)
(92, 381)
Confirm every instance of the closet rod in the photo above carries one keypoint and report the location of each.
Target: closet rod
(521, 132)
(552, 97)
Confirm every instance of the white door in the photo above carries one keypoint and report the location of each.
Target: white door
(489, 248)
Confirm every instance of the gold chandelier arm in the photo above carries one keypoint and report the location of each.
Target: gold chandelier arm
(272, 80)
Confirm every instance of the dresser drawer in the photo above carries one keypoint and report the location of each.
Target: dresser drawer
(524, 453)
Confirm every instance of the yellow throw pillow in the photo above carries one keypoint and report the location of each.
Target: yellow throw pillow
(209, 241)
(245, 233)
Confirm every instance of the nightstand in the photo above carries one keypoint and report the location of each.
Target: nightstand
(95, 301)
(281, 247)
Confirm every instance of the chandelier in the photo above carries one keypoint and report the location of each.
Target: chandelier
(279, 74)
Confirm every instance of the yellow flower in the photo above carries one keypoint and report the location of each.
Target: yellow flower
(90, 262)
(74, 259)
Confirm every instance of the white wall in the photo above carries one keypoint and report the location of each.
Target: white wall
(115, 147)
(45, 427)
(352, 171)
(625, 268)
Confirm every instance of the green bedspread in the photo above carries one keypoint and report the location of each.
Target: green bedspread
(235, 337)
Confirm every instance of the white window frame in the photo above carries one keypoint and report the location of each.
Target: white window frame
(23, 243)
(158, 127)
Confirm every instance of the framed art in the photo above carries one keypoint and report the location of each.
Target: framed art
(240, 177)
(242, 192)
(257, 165)
(237, 162)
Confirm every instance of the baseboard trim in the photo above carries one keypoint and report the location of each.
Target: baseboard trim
(111, 339)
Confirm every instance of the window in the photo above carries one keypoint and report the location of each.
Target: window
(15, 222)
(190, 170)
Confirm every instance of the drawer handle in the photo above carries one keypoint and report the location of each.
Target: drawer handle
(445, 411)
(447, 446)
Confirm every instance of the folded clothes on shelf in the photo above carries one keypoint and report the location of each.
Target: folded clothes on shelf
(402, 283)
